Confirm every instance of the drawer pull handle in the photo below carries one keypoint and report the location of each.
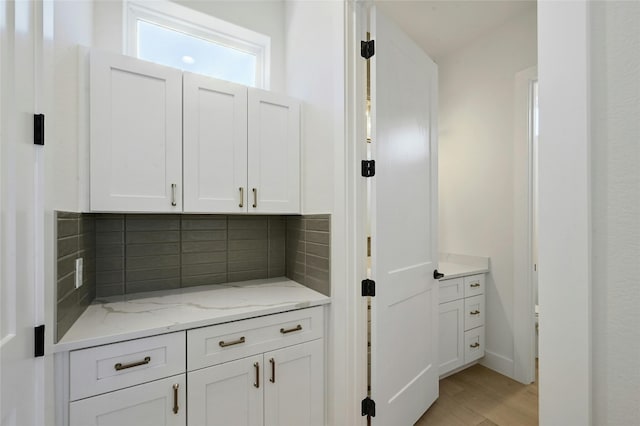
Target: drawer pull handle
(224, 344)
(273, 370)
(474, 285)
(475, 345)
(241, 197)
(476, 312)
(291, 330)
(173, 194)
(175, 398)
(119, 366)
(257, 366)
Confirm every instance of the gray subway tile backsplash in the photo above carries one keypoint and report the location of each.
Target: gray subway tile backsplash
(131, 253)
(308, 251)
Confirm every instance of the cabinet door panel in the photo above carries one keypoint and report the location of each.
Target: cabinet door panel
(451, 337)
(215, 145)
(274, 153)
(226, 394)
(294, 387)
(150, 404)
(136, 138)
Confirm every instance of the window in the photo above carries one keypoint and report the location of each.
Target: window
(173, 35)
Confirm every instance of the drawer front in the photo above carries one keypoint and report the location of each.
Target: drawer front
(473, 285)
(451, 290)
(473, 344)
(473, 312)
(225, 342)
(106, 368)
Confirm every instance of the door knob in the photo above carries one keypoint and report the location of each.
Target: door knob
(437, 275)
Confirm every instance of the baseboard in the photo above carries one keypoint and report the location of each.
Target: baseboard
(499, 363)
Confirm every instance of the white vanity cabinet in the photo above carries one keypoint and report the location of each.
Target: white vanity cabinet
(283, 386)
(461, 322)
(241, 148)
(136, 135)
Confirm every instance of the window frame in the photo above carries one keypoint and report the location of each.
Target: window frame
(201, 25)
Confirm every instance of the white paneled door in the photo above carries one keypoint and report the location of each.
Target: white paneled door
(23, 40)
(215, 145)
(136, 135)
(404, 340)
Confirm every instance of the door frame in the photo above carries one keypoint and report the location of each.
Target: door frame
(565, 281)
(523, 202)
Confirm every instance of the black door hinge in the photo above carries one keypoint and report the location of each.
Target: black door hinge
(368, 168)
(368, 407)
(368, 288)
(38, 129)
(38, 343)
(367, 48)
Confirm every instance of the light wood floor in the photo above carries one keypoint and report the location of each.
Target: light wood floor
(478, 396)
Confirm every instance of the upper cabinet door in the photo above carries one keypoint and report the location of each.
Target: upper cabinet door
(136, 137)
(274, 153)
(215, 145)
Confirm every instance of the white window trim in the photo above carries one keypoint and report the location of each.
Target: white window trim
(198, 24)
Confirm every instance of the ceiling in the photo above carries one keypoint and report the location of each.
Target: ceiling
(440, 27)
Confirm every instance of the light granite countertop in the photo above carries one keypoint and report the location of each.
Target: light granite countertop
(146, 314)
(457, 265)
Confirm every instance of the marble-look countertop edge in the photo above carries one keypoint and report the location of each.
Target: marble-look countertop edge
(253, 312)
(460, 270)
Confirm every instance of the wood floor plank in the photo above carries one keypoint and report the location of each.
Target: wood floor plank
(479, 396)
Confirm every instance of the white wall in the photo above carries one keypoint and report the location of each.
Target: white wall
(314, 42)
(476, 165)
(615, 192)
(72, 27)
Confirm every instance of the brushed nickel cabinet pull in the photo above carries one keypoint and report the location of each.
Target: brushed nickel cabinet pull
(291, 330)
(119, 366)
(475, 345)
(224, 344)
(173, 194)
(175, 398)
(476, 312)
(475, 285)
(241, 197)
(273, 370)
(255, 197)
(257, 366)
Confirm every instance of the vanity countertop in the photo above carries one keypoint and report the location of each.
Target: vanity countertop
(456, 270)
(139, 315)
(460, 265)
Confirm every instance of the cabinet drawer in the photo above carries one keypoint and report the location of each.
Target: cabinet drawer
(473, 285)
(106, 368)
(473, 312)
(225, 342)
(451, 290)
(162, 402)
(473, 344)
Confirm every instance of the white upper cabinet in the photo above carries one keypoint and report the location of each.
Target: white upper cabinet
(215, 145)
(239, 147)
(136, 135)
(274, 153)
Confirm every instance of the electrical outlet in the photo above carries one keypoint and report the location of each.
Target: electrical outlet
(78, 272)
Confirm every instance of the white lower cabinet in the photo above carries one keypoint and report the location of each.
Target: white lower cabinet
(161, 402)
(461, 322)
(265, 370)
(282, 387)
